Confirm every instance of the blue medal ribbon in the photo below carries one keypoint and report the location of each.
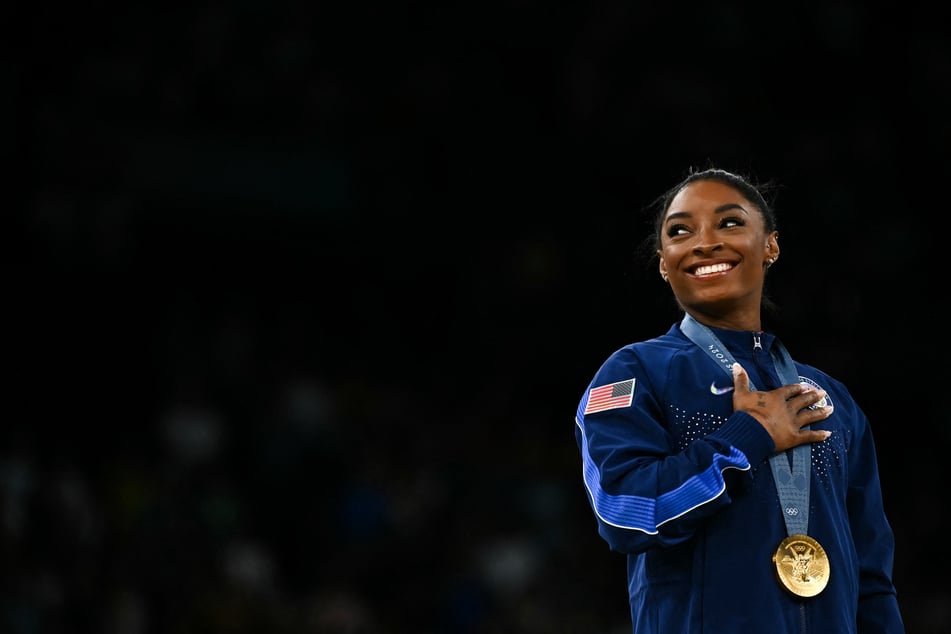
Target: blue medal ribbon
(792, 483)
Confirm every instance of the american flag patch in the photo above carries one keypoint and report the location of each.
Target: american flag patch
(611, 396)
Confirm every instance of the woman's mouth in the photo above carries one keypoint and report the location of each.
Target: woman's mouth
(710, 269)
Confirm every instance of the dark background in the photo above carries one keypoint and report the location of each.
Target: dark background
(309, 294)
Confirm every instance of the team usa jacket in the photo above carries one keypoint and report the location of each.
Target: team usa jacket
(682, 485)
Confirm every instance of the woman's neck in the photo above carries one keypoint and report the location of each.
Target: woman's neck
(736, 320)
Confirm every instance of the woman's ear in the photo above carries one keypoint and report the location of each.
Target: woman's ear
(772, 246)
(662, 265)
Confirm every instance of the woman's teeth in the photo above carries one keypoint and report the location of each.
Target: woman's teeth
(713, 268)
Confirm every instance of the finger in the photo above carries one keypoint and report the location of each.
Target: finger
(816, 435)
(809, 416)
(741, 380)
(793, 390)
(810, 398)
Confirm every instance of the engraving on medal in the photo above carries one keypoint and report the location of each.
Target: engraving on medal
(802, 565)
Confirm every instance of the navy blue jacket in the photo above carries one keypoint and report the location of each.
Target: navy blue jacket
(683, 485)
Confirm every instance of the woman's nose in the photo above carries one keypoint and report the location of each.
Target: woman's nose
(707, 240)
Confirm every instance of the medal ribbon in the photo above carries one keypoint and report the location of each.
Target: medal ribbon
(792, 484)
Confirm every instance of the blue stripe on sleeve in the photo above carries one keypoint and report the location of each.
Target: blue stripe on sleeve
(648, 514)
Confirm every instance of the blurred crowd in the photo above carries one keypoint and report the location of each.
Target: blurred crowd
(304, 321)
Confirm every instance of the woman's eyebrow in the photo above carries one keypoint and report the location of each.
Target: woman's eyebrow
(719, 210)
(730, 207)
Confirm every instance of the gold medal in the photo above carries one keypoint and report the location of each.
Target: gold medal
(802, 565)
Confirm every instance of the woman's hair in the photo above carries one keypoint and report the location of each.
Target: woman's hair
(760, 194)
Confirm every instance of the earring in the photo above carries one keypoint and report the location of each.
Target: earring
(769, 262)
(664, 275)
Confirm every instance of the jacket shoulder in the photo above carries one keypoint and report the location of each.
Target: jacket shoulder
(654, 353)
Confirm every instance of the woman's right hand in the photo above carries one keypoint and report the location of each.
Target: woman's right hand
(782, 412)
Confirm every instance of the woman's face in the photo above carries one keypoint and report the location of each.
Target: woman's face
(714, 251)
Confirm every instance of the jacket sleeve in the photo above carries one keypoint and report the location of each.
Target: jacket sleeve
(644, 491)
(874, 540)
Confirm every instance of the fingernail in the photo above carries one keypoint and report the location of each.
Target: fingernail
(826, 433)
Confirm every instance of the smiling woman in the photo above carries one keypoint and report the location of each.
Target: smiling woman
(714, 246)
(708, 450)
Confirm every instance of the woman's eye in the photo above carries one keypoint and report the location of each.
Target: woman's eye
(676, 230)
(731, 221)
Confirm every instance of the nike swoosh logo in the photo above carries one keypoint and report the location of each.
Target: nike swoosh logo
(720, 390)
